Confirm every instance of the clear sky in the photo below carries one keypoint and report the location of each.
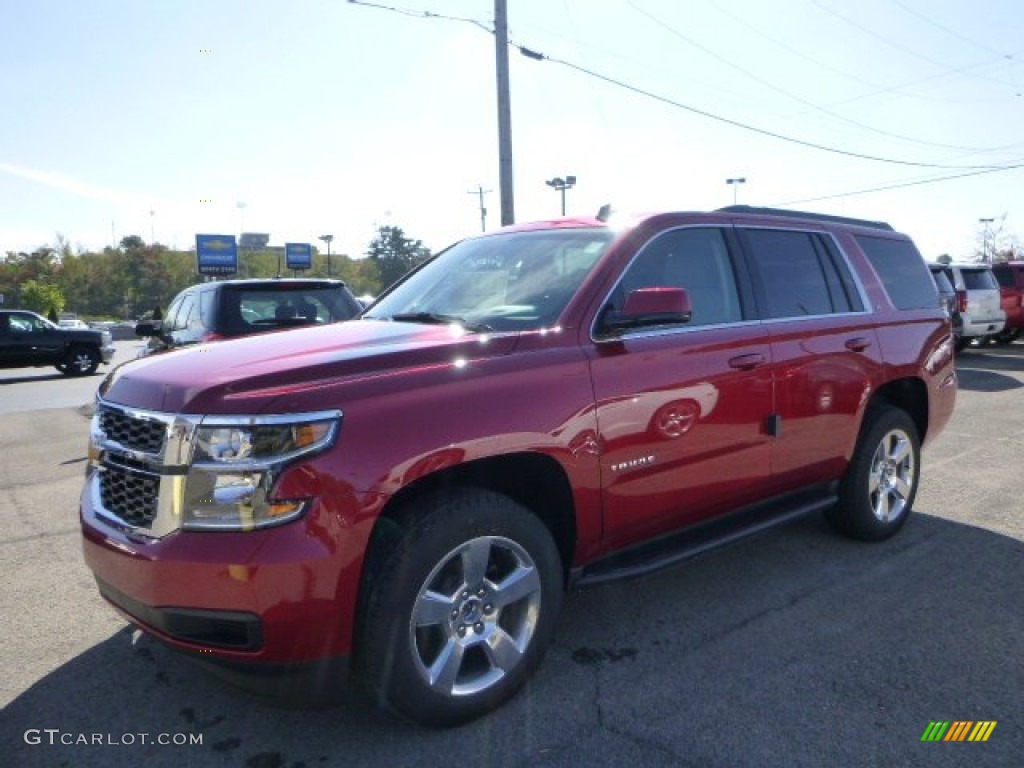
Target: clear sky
(309, 117)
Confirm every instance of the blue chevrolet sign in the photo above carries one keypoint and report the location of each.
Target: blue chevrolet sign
(216, 254)
(298, 255)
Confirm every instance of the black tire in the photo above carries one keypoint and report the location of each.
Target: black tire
(80, 361)
(468, 595)
(877, 493)
(1007, 337)
(962, 343)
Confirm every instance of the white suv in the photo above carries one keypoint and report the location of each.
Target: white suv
(978, 300)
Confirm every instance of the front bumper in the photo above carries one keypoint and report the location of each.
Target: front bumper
(107, 353)
(278, 596)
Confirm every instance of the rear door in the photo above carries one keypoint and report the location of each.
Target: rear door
(825, 354)
(681, 409)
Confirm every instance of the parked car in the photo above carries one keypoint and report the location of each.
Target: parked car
(407, 497)
(948, 298)
(1010, 276)
(28, 339)
(978, 301)
(230, 308)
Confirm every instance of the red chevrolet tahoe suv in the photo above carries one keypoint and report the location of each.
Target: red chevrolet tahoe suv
(406, 497)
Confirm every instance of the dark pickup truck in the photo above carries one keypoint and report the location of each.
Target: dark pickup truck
(28, 339)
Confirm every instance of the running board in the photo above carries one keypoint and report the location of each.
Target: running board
(674, 548)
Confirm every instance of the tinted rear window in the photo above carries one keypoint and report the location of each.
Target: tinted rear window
(249, 309)
(978, 279)
(942, 282)
(902, 271)
(1005, 277)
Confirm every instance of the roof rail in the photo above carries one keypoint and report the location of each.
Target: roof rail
(753, 210)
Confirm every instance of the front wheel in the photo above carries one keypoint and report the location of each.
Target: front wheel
(80, 361)
(461, 609)
(878, 490)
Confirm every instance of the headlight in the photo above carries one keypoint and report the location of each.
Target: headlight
(236, 461)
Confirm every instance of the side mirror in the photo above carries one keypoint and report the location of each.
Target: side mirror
(661, 305)
(148, 328)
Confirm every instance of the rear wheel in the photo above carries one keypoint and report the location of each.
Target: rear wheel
(878, 490)
(461, 610)
(80, 361)
(1008, 337)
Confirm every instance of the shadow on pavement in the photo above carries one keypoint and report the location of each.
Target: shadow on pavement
(981, 368)
(794, 648)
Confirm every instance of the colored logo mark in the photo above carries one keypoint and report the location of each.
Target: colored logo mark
(959, 730)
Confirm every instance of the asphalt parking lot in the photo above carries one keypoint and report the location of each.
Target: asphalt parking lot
(795, 648)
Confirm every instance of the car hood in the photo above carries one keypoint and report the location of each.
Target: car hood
(246, 375)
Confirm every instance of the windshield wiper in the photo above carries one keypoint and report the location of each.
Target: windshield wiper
(435, 318)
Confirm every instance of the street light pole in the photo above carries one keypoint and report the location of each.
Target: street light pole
(327, 239)
(734, 183)
(561, 185)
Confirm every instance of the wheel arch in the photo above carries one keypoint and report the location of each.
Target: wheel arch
(535, 480)
(910, 395)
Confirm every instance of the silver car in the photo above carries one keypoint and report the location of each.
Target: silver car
(981, 310)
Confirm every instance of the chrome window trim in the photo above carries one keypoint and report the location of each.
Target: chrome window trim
(645, 333)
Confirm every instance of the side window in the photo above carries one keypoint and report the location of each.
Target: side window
(206, 306)
(194, 321)
(696, 259)
(902, 271)
(180, 321)
(795, 276)
(172, 312)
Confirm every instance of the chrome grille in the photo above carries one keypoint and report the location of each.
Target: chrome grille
(130, 494)
(136, 434)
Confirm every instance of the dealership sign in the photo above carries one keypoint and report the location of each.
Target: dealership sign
(216, 254)
(298, 255)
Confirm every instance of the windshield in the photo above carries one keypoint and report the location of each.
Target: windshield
(504, 282)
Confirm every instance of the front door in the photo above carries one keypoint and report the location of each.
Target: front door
(682, 410)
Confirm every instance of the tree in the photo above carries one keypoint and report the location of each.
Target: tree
(41, 297)
(395, 254)
(995, 243)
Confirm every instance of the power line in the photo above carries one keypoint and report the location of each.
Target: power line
(768, 84)
(425, 14)
(745, 126)
(899, 185)
(876, 89)
(898, 45)
(532, 54)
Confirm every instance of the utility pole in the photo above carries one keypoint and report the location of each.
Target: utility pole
(508, 214)
(480, 192)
